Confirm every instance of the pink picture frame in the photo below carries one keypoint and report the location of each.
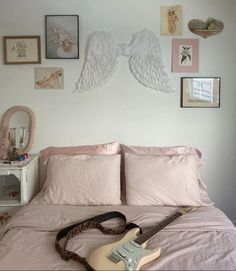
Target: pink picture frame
(185, 55)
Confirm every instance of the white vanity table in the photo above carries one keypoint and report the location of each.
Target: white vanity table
(18, 185)
(18, 179)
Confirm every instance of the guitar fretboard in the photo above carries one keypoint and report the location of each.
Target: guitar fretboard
(147, 235)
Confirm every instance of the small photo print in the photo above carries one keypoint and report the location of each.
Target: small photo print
(49, 78)
(171, 20)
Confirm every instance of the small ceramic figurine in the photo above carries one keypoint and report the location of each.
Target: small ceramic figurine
(214, 24)
(4, 218)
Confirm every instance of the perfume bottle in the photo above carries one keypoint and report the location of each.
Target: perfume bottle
(12, 137)
(22, 137)
(13, 154)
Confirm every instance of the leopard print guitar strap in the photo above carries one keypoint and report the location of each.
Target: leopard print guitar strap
(94, 222)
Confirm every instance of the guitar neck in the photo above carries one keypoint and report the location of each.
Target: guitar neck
(147, 235)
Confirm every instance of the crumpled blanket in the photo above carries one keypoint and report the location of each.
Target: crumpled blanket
(202, 240)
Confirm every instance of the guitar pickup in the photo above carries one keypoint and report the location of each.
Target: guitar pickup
(134, 244)
(128, 248)
(121, 253)
(114, 258)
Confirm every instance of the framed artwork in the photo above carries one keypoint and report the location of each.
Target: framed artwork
(62, 36)
(171, 20)
(21, 49)
(185, 55)
(49, 78)
(200, 92)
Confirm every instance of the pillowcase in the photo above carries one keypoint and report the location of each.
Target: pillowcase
(83, 180)
(107, 148)
(163, 180)
(170, 151)
(146, 150)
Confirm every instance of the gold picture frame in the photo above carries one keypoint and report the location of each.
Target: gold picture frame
(22, 49)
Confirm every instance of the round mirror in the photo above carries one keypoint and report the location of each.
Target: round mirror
(18, 125)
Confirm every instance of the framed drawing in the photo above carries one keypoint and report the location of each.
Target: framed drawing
(200, 92)
(21, 49)
(185, 55)
(49, 78)
(171, 20)
(62, 36)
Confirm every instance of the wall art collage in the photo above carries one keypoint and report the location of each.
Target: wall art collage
(195, 91)
(62, 42)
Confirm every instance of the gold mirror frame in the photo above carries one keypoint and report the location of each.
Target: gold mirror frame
(5, 129)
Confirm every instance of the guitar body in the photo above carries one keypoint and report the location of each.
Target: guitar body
(101, 258)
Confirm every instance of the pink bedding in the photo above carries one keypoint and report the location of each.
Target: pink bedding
(203, 240)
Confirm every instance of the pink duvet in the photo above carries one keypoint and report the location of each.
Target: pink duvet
(203, 240)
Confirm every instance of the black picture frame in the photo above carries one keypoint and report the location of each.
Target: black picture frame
(200, 92)
(62, 36)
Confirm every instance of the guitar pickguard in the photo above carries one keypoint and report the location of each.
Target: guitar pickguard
(130, 253)
(127, 254)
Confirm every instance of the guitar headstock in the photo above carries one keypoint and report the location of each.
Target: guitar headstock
(186, 210)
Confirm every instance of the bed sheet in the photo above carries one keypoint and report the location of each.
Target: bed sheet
(202, 240)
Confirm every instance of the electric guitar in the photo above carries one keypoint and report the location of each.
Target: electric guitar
(130, 252)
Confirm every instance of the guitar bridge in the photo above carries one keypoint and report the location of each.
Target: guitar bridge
(113, 257)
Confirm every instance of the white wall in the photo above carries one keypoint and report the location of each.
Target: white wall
(123, 109)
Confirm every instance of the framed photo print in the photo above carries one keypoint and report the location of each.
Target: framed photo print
(62, 36)
(22, 49)
(49, 78)
(185, 55)
(171, 20)
(200, 92)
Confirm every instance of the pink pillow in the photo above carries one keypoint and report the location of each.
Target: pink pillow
(163, 180)
(83, 180)
(170, 151)
(145, 150)
(107, 148)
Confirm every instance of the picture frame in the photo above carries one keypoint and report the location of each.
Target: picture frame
(62, 36)
(171, 20)
(22, 49)
(185, 55)
(200, 92)
(49, 78)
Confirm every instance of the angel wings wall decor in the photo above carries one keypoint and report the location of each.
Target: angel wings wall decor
(145, 61)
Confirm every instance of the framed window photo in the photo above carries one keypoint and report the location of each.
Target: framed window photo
(200, 91)
(185, 55)
(62, 36)
(21, 49)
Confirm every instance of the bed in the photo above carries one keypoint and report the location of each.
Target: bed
(204, 239)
